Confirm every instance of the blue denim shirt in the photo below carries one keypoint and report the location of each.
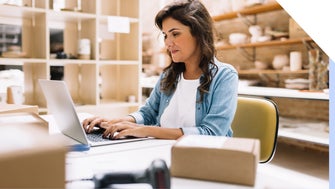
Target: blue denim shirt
(214, 114)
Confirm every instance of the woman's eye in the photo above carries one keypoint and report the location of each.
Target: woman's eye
(175, 34)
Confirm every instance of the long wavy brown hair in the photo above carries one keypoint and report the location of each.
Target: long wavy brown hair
(193, 14)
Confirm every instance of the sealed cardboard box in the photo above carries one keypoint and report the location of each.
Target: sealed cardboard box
(216, 158)
(29, 156)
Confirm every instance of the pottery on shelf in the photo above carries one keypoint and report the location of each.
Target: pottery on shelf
(280, 61)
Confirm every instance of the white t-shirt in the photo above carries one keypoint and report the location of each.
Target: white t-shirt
(181, 110)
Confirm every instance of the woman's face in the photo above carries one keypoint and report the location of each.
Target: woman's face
(180, 42)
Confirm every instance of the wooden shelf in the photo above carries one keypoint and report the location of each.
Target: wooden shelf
(62, 62)
(271, 72)
(118, 62)
(104, 19)
(249, 11)
(265, 44)
(20, 61)
(19, 12)
(307, 131)
(93, 81)
(265, 51)
(69, 16)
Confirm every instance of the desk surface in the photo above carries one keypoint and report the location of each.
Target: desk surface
(138, 156)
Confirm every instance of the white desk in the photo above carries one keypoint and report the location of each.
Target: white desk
(138, 156)
(135, 156)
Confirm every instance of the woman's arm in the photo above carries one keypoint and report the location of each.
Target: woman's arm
(89, 123)
(164, 133)
(126, 129)
(148, 113)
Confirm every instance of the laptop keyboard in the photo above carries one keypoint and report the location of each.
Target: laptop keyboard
(96, 136)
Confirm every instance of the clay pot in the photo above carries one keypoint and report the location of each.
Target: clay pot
(280, 61)
(259, 65)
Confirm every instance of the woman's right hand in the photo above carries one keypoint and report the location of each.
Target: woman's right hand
(89, 123)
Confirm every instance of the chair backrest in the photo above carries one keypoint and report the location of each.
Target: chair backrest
(257, 118)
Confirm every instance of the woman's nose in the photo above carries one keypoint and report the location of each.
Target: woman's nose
(168, 42)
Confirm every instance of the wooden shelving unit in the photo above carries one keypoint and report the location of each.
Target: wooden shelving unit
(253, 11)
(99, 80)
(266, 43)
(256, 9)
(318, 137)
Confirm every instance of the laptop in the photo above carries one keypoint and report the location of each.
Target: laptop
(61, 106)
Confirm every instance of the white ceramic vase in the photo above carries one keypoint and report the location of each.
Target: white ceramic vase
(280, 61)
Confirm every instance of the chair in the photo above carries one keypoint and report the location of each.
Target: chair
(257, 118)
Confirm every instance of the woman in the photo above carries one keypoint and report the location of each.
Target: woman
(196, 94)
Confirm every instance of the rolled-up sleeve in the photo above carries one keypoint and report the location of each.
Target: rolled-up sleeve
(149, 112)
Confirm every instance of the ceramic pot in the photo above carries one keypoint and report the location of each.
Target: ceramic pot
(238, 38)
(280, 61)
(259, 65)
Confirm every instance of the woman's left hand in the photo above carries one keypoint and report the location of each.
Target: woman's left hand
(122, 129)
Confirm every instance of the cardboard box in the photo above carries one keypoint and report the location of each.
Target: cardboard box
(29, 156)
(295, 31)
(215, 158)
